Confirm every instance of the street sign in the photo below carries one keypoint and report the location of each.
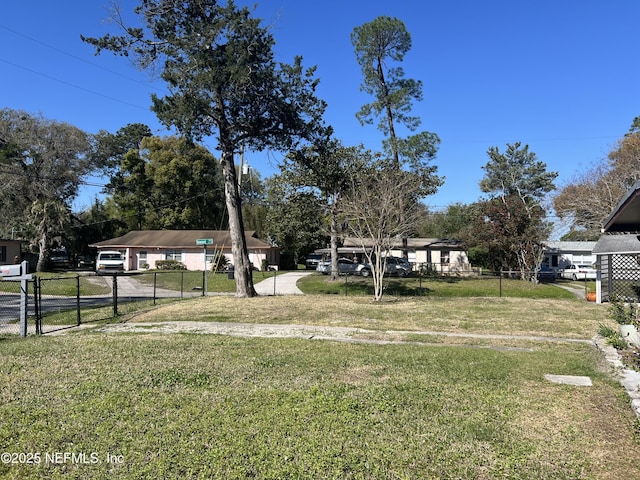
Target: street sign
(204, 241)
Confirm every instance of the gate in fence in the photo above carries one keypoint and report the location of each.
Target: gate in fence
(15, 301)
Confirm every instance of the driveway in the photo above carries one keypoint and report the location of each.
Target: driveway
(281, 284)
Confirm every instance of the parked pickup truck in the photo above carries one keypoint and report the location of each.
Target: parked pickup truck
(579, 272)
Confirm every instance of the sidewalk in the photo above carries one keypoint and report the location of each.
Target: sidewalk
(281, 284)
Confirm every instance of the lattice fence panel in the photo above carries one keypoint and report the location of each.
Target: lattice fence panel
(625, 277)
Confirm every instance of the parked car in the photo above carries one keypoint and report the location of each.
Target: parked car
(86, 261)
(312, 261)
(345, 266)
(579, 272)
(393, 266)
(545, 274)
(58, 258)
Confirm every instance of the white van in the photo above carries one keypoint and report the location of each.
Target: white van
(109, 262)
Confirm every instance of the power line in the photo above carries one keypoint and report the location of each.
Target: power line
(69, 84)
(80, 59)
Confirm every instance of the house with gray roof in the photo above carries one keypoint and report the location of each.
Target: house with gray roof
(618, 250)
(196, 249)
(440, 255)
(561, 254)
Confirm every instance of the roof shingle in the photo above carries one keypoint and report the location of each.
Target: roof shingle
(177, 239)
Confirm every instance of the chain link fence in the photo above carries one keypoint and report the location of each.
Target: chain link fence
(14, 302)
(50, 304)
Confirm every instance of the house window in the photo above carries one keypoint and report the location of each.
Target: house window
(142, 259)
(173, 255)
(445, 256)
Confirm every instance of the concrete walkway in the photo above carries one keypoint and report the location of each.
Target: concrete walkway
(578, 292)
(281, 284)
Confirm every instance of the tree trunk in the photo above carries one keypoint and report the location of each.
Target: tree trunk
(334, 241)
(378, 274)
(42, 255)
(243, 271)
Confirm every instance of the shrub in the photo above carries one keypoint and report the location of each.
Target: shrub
(170, 265)
(617, 342)
(606, 331)
(622, 313)
(219, 262)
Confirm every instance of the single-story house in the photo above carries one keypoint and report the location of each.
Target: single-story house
(11, 251)
(618, 250)
(437, 254)
(559, 255)
(196, 249)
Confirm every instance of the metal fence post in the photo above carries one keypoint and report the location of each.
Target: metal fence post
(24, 303)
(115, 294)
(78, 297)
(155, 283)
(36, 305)
(275, 274)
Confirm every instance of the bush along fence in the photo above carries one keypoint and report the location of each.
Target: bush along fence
(51, 304)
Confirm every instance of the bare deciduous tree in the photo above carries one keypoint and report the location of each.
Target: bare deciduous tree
(587, 200)
(370, 207)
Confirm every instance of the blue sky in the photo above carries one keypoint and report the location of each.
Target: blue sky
(560, 76)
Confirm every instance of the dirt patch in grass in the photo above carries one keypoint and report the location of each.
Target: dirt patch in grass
(553, 318)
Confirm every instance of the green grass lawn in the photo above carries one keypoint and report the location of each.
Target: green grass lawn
(202, 406)
(432, 286)
(186, 280)
(152, 405)
(62, 283)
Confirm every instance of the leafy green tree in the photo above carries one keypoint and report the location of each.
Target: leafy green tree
(294, 219)
(219, 65)
(254, 203)
(327, 168)
(43, 163)
(517, 172)
(453, 222)
(379, 45)
(48, 218)
(513, 217)
(169, 183)
(110, 148)
(93, 225)
(507, 234)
